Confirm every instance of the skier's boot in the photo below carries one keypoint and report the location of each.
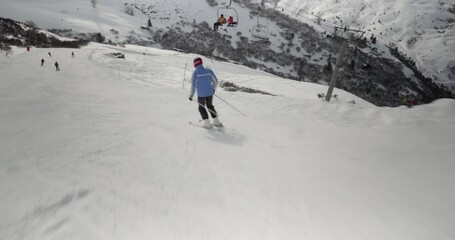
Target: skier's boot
(217, 123)
(207, 124)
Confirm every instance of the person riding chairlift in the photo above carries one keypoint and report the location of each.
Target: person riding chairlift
(220, 22)
(231, 22)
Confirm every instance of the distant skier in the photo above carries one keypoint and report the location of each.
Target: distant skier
(72, 54)
(42, 62)
(56, 66)
(205, 82)
(408, 101)
(50, 55)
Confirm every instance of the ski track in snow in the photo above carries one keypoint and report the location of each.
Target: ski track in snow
(102, 150)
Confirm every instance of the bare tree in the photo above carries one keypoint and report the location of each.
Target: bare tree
(30, 23)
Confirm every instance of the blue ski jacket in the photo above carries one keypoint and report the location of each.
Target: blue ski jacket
(204, 80)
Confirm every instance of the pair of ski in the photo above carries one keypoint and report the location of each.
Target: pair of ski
(214, 128)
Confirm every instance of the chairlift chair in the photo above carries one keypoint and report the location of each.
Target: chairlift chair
(260, 31)
(228, 11)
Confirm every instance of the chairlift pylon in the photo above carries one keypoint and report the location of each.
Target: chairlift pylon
(228, 11)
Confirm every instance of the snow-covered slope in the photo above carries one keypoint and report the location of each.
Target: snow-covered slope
(78, 15)
(108, 15)
(109, 18)
(103, 150)
(81, 16)
(309, 52)
(424, 30)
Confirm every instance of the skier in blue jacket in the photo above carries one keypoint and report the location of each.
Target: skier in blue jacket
(205, 82)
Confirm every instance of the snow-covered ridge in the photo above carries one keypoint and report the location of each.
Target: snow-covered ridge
(26, 35)
(424, 30)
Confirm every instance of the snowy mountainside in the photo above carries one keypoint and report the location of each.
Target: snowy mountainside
(424, 30)
(292, 49)
(20, 34)
(78, 15)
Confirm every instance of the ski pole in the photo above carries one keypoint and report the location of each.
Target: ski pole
(184, 73)
(230, 105)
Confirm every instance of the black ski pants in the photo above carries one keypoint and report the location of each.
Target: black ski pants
(203, 102)
(216, 25)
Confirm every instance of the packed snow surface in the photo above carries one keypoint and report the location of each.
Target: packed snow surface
(103, 150)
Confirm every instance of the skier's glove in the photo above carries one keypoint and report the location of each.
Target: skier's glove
(190, 98)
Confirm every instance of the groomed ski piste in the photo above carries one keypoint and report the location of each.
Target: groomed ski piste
(103, 150)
